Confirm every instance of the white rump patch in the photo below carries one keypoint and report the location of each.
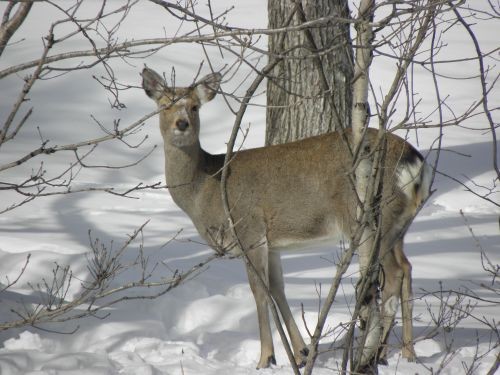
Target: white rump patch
(411, 174)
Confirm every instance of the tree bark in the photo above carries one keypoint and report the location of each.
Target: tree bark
(309, 92)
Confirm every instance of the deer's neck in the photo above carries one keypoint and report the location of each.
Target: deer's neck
(184, 173)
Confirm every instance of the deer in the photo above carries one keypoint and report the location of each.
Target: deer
(287, 196)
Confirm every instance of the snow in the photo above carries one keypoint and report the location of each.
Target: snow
(208, 325)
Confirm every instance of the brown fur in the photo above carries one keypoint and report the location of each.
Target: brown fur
(285, 195)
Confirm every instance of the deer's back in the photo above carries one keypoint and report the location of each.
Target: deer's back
(297, 191)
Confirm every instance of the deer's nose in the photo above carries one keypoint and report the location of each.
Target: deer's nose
(182, 125)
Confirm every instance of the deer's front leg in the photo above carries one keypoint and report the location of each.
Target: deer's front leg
(259, 269)
(277, 288)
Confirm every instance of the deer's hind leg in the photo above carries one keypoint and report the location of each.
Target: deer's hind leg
(391, 279)
(406, 302)
(396, 286)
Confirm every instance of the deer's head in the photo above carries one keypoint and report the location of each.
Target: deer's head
(179, 117)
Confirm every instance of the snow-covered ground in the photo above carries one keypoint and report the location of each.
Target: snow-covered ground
(208, 325)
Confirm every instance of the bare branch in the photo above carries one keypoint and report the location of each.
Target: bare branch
(482, 76)
(104, 264)
(10, 23)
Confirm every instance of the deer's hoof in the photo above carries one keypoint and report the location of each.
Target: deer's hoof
(382, 356)
(409, 354)
(266, 362)
(301, 357)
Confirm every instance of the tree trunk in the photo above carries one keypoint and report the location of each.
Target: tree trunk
(367, 187)
(309, 92)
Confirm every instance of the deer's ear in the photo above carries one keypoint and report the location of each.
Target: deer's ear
(153, 84)
(208, 86)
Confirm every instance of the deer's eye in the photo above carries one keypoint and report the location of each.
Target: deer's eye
(194, 108)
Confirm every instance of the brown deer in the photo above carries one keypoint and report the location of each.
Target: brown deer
(292, 194)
